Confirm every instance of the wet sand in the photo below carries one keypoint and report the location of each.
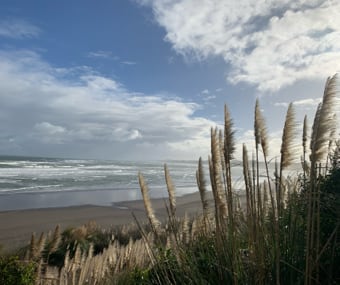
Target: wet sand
(17, 226)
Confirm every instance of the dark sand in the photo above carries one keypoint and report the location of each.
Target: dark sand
(17, 226)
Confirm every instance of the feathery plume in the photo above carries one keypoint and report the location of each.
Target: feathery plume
(257, 128)
(185, 228)
(216, 161)
(56, 239)
(41, 243)
(332, 133)
(217, 176)
(323, 121)
(202, 186)
(229, 142)
(171, 190)
(287, 146)
(229, 148)
(260, 130)
(304, 147)
(147, 203)
(224, 163)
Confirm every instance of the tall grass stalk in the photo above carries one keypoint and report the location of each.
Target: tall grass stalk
(154, 222)
(291, 239)
(171, 191)
(319, 141)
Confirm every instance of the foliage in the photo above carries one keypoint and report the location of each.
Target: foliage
(329, 224)
(81, 237)
(15, 272)
(286, 233)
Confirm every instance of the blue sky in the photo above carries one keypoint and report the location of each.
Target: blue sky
(146, 79)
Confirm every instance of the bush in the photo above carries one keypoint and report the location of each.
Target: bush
(15, 272)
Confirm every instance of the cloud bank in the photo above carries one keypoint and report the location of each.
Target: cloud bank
(268, 44)
(81, 113)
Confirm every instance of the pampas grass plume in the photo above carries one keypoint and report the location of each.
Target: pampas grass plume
(147, 203)
(56, 239)
(260, 130)
(202, 185)
(171, 190)
(287, 146)
(323, 121)
(229, 141)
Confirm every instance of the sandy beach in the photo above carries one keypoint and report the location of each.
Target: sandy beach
(17, 226)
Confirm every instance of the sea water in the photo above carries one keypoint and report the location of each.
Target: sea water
(31, 182)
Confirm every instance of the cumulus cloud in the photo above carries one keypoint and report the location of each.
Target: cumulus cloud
(18, 29)
(269, 44)
(42, 109)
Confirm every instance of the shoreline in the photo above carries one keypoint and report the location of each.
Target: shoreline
(70, 198)
(17, 226)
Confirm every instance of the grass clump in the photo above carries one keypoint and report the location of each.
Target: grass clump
(286, 231)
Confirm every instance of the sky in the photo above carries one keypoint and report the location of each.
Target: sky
(147, 79)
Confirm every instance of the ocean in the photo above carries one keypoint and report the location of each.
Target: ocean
(31, 182)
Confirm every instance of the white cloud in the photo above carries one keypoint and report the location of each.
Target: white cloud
(107, 55)
(129, 62)
(208, 99)
(49, 133)
(270, 44)
(126, 134)
(103, 54)
(300, 103)
(91, 114)
(49, 128)
(274, 143)
(18, 29)
(307, 102)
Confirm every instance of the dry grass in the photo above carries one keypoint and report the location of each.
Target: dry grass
(262, 242)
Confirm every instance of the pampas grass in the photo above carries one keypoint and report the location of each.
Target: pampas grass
(171, 191)
(154, 222)
(201, 183)
(287, 146)
(323, 121)
(321, 135)
(260, 129)
(216, 177)
(56, 238)
(276, 238)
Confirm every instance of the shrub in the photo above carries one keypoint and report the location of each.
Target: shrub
(15, 272)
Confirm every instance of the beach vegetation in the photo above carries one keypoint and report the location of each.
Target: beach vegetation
(281, 229)
(14, 271)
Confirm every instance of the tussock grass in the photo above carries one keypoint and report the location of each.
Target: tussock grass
(286, 233)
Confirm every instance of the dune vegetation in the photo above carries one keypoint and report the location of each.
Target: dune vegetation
(286, 232)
